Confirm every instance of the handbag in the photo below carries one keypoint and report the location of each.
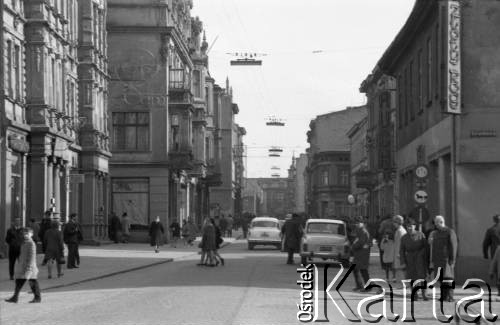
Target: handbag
(61, 260)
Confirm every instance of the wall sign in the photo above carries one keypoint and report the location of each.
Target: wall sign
(454, 91)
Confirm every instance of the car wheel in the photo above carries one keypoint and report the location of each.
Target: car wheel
(250, 246)
(303, 260)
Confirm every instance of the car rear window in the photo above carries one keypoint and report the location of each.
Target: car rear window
(262, 223)
(325, 228)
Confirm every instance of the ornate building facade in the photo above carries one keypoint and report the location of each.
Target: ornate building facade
(53, 134)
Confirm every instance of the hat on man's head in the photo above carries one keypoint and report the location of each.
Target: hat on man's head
(496, 218)
(410, 222)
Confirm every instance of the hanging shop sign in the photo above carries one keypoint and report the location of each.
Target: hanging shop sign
(454, 85)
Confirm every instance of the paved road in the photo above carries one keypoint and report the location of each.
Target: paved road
(254, 287)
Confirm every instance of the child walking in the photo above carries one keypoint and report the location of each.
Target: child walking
(387, 246)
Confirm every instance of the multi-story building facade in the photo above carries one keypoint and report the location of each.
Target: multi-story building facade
(359, 166)
(328, 171)
(93, 110)
(266, 197)
(444, 60)
(54, 139)
(222, 197)
(14, 128)
(239, 154)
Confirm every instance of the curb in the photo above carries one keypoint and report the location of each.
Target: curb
(168, 260)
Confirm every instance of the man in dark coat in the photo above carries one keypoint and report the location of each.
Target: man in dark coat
(14, 239)
(492, 238)
(156, 232)
(45, 225)
(72, 237)
(115, 227)
(293, 233)
(361, 254)
(444, 245)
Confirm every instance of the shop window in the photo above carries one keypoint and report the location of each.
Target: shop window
(131, 195)
(131, 131)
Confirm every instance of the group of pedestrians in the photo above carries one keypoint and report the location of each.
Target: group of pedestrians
(211, 240)
(409, 253)
(22, 242)
(119, 230)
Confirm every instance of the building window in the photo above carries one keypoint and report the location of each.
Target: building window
(325, 179)
(131, 131)
(400, 101)
(406, 113)
(429, 71)
(131, 196)
(419, 82)
(197, 83)
(17, 72)
(411, 89)
(8, 69)
(344, 177)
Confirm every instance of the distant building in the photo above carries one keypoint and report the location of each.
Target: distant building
(274, 194)
(252, 196)
(300, 186)
(329, 170)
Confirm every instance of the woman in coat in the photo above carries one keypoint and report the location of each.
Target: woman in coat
(207, 244)
(156, 232)
(218, 242)
(398, 234)
(361, 254)
(26, 269)
(443, 243)
(54, 248)
(414, 254)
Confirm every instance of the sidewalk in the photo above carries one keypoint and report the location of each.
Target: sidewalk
(98, 262)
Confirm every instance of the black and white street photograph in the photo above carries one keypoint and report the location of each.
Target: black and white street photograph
(249, 162)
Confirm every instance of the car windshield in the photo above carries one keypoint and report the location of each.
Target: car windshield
(325, 228)
(265, 223)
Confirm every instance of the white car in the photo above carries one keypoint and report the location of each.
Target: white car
(325, 239)
(264, 231)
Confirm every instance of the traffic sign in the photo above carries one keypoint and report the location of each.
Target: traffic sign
(421, 171)
(421, 196)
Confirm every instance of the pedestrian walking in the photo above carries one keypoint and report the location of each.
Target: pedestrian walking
(54, 249)
(207, 243)
(14, 239)
(387, 252)
(494, 271)
(26, 269)
(115, 227)
(72, 236)
(218, 242)
(175, 229)
(230, 225)
(492, 238)
(125, 227)
(156, 232)
(189, 232)
(45, 225)
(414, 254)
(385, 226)
(223, 225)
(361, 254)
(36, 228)
(293, 233)
(444, 246)
(398, 234)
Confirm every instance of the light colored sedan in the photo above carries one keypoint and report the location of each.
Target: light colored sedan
(325, 239)
(264, 231)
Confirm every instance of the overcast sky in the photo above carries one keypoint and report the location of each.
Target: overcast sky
(317, 54)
